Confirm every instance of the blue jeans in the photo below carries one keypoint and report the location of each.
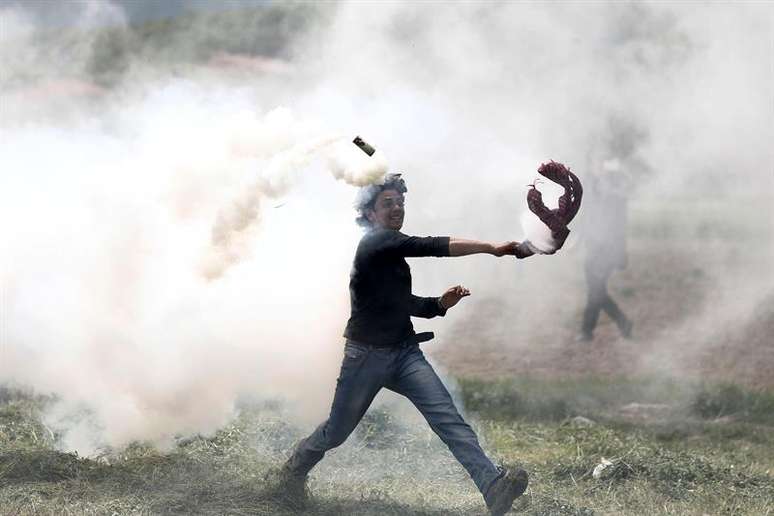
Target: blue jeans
(404, 370)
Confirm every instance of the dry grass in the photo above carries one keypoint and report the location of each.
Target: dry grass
(394, 465)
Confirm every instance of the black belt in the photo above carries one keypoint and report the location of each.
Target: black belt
(411, 340)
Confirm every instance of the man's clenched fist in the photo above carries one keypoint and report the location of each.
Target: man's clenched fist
(452, 296)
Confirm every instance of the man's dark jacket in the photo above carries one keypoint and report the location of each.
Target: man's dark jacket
(380, 287)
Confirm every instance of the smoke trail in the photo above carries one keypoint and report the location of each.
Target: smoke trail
(235, 222)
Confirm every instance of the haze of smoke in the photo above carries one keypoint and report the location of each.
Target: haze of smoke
(102, 300)
(230, 233)
(116, 193)
(537, 232)
(534, 230)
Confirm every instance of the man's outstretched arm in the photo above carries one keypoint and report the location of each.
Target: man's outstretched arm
(390, 241)
(462, 247)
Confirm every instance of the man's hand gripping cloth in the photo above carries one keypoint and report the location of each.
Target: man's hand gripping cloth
(556, 219)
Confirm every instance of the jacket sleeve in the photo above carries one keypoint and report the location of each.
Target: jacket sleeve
(395, 242)
(426, 307)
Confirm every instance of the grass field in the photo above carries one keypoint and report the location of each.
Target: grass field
(679, 450)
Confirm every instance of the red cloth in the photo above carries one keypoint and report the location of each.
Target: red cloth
(569, 203)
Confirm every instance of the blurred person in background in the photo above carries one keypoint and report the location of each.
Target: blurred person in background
(608, 187)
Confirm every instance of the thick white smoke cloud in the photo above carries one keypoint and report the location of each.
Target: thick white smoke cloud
(105, 299)
(280, 148)
(123, 207)
(123, 202)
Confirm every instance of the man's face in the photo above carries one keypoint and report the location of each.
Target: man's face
(388, 210)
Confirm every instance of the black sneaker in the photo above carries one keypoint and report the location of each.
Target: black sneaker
(288, 487)
(626, 328)
(508, 486)
(584, 337)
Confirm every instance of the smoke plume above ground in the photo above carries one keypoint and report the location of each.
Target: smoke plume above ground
(175, 236)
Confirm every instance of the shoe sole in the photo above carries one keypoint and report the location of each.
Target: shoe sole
(519, 482)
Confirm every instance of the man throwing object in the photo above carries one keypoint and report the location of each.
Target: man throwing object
(382, 348)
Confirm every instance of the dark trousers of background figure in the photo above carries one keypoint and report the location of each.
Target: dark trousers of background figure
(599, 299)
(404, 370)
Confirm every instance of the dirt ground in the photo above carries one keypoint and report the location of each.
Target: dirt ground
(675, 333)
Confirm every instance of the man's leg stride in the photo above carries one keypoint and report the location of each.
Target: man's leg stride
(359, 381)
(617, 315)
(416, 379)
(596, 284)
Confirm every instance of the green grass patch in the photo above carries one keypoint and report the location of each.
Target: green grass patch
(392, 465)
(656, 398)
(728, 400)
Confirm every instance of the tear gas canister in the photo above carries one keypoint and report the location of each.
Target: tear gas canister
(364, 146)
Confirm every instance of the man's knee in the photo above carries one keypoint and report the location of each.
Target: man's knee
(448, 421)
(457, 434)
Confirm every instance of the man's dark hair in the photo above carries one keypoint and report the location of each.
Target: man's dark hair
(367, 196)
